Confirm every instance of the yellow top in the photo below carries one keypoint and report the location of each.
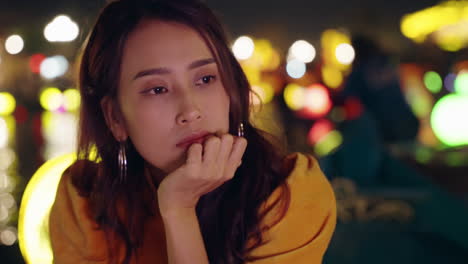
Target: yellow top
(302, 235)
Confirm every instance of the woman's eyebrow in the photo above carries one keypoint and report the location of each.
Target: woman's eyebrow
(161, 71)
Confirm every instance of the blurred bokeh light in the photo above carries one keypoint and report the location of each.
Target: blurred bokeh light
(14, 44)
(448, 119)
(61, 29)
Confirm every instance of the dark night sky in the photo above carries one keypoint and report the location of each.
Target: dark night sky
(280, 21)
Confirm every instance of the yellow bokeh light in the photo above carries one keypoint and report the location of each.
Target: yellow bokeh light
(330, 40)
(51, 99)
(7, 103)
(294, 96)
(38, 197)
(264, 56)
(71, 99)
(332, 77)
(7, 134)
(447, 21)
(264, 91)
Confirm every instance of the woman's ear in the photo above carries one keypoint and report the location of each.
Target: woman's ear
(114, 119)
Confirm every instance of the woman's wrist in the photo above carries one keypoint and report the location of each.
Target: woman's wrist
(178, 213)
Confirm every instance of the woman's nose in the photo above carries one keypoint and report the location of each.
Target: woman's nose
(189, 111)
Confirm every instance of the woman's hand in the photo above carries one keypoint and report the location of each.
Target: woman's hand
(207, 167)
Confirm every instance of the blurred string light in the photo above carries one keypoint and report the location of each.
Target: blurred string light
(71, 100)
(7, 103)
(35, 62)
(301, 50)
(59, 130)
(263, 93)
(14, 44)
(418, 97)
(335, 44)
(295, 68)
(264, 56)
(53, 67)
(257, 55)
(317, 102)
(7, 137)
(319, 130)
(7, 156)
(433, 81)
(423, 154)
(8, 236)
(448, 119)
(328, 143)
(461, 83)
(243, 48)
(353, 108)
(8, 205)
(338, 114)
(449, 82)
(332, 76)
(51, 99)
(446, 23)
(345, 53)
(4, 133)
(35, 207)
(61, 29)
(294, 96)
(455, 159)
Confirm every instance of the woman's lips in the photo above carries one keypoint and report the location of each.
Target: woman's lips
(195, 138)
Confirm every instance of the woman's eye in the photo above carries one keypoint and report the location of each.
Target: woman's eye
(205, 79)
(158, 90)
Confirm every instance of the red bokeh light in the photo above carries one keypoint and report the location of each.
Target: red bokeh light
(317, 102)
(35, 62)
(319, 130)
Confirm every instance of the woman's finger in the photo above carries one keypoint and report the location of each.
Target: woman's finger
(210, 150)
(194, 154)
(225, 148)
(235, 158)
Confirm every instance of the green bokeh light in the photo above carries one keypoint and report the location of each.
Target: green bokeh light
(433, 81)
(461, 83)
(449, 119)
(328, 144)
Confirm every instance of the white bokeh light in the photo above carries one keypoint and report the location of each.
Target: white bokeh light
(8, 236)
(53, 67)
(345, 53)
(295, 68)
(243, 48)
(302, 50)
(14, 44)
(3, 133)
(61, 29)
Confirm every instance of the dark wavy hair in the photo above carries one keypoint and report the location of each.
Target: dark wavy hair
(229, 216)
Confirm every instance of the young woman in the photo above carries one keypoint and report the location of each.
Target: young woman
(165, 173)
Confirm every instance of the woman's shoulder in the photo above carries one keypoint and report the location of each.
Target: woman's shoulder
(311, 212)
(73, 232)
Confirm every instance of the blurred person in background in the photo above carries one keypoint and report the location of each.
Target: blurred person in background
(365, 158)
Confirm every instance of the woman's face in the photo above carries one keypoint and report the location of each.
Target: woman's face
(170, 93)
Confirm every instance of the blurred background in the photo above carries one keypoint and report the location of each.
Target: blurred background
(376, 90)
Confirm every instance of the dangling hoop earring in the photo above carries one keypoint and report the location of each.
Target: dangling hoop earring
(240, 130)
(122, 161)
